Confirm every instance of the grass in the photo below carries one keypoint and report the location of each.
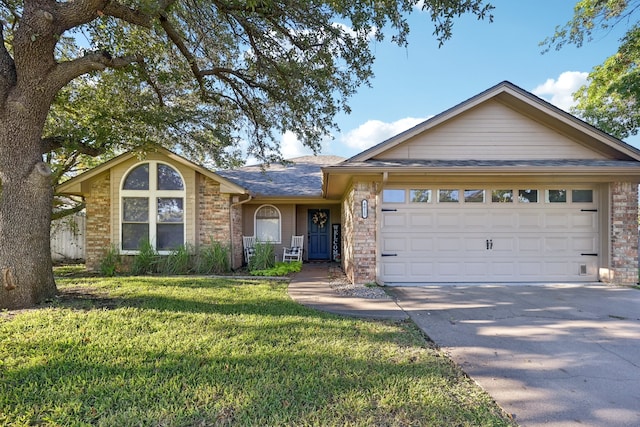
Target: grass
(157, 351)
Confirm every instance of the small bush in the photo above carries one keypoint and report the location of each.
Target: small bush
(177, 262)
(110, 262)
(146, 261)
(263, 258)
(214, 258)
(280, 269)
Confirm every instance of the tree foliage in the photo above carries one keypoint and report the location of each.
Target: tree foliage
(611, 98)
(200, 75)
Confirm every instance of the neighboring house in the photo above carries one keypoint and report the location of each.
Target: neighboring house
(501, 188)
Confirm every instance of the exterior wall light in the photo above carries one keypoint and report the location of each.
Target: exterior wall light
(365, 209)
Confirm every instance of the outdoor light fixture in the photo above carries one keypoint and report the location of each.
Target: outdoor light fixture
(365, 209)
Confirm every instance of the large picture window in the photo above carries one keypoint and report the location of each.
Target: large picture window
(152, 207)
(268, 224)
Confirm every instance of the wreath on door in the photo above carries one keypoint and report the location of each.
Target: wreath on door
(319, 218)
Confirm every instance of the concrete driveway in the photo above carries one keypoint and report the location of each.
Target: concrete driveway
(558, 355)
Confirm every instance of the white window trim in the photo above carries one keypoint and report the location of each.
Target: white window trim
(255, 224)
(152, 195)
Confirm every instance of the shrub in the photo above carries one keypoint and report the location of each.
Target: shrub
(263, 258)
(110, 262)
(146, 261)
(214, 258)
(177, 262)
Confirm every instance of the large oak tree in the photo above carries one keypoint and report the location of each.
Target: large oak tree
(200, 74)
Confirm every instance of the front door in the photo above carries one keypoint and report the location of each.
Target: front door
(319, 228)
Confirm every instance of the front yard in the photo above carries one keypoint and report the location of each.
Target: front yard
(198, 352)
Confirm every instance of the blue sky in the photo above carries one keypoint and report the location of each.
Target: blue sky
(417, 82)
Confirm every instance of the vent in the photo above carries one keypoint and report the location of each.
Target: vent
(583, 269)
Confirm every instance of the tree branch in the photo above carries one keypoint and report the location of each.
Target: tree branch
(53, 143)
(177, 40)
(95, 61)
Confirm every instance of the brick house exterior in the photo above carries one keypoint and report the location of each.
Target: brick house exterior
(503, 187)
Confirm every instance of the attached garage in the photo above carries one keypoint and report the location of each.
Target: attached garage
(476, 234)
(503, 187)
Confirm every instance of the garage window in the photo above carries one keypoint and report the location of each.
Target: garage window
(448, 196)
(502, 196)
(393, 196)
(582, 196)
(420, 196)
(557, 196)
(474, 196)
(527, 196)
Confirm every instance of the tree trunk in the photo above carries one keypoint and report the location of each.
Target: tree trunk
(26, 272)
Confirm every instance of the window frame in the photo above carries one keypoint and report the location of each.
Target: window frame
(152, 195)
(255, 225)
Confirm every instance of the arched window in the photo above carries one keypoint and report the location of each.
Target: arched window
(152, 207)
(267, 224)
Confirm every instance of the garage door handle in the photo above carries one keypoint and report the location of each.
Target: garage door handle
(588, 210)
(589, 254)
(389, 210)
(389, 255)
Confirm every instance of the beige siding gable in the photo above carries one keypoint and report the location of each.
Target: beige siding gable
(491, 131)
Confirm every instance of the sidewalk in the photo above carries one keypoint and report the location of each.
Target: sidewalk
(310, 287)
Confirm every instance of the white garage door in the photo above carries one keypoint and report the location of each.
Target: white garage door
(470, 234)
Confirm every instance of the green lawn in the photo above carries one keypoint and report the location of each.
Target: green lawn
(161, 351)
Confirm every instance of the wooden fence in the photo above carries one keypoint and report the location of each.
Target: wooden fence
(67, 238)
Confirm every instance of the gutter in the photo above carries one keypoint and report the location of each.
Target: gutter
(233, 205)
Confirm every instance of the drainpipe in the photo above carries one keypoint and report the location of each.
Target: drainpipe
(233, 205)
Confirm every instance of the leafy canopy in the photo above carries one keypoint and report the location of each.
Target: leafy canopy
(611, 98)
(199, 76)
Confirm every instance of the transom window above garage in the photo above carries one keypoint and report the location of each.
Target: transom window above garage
(495, 195)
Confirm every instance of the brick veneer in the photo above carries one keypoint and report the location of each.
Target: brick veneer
(213, 212)
(624, 234)
(359, 234)
(98, 234)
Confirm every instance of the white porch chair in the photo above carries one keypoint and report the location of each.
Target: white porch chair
(249, 245)
(294, 253)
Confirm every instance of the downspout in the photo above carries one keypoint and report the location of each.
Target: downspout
(233, 205)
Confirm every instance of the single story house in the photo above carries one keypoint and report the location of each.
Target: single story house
(503, 187)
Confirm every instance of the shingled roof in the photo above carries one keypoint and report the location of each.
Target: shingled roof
(299, 177)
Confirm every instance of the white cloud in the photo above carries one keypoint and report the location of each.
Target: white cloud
(373, 132)
(291, 147)
(560, 92)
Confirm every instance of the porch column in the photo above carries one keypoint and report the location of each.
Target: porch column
(359, 234)
(98, 232)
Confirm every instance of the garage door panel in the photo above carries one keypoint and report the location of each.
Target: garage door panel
(422, 244)
(529, 244)
(586, 222)
(396, 220)
(504, 221)
(421, 220)
(584, 244)
(448, 220)
(556, 221)
(398, 244)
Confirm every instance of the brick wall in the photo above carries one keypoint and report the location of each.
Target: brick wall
(624, 233)
(236, 225)
(98, 234)
(359, 234)
(213, 212)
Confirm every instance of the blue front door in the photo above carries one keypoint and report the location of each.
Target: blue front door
(319, 227)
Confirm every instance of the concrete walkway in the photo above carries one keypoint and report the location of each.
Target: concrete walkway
(310, 287)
